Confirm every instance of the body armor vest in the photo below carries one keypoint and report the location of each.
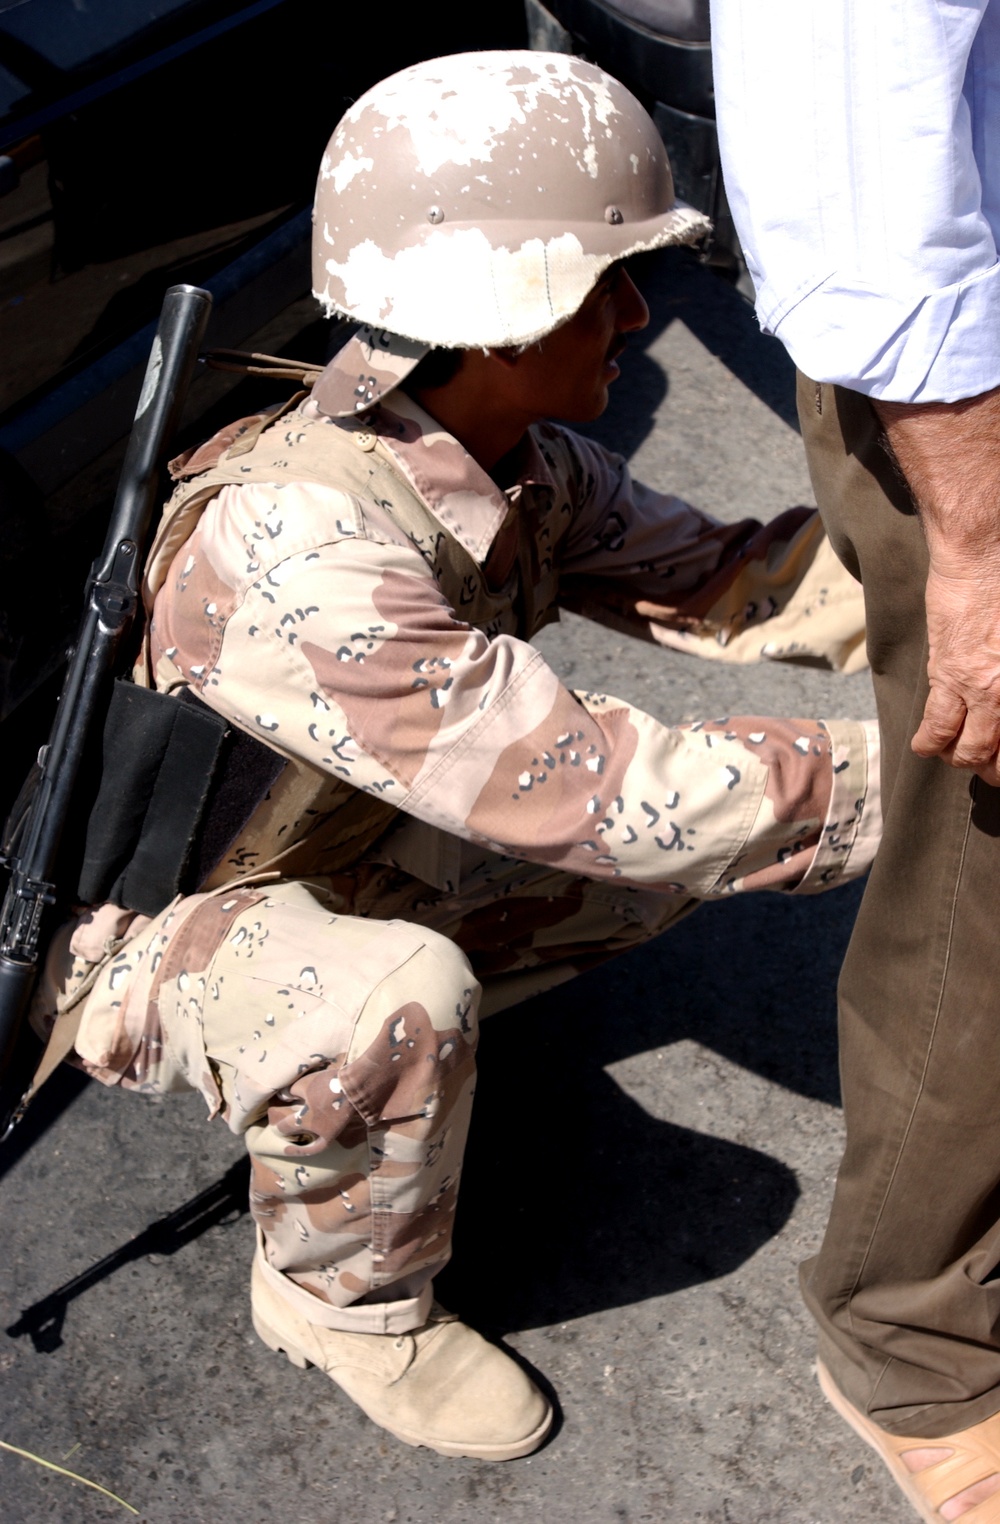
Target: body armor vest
(310, 823)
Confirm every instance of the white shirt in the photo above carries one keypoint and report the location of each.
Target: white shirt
(861, 151)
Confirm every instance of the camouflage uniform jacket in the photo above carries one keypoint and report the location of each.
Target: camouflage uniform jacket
(360, 594)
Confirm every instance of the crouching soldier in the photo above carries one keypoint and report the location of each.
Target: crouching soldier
(447, 829)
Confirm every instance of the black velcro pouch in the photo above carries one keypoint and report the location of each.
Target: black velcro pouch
(178, 785)
(159, 759)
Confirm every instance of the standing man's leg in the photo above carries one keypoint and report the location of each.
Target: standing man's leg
(903, 1286)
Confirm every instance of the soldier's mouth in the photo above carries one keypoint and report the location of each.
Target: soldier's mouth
(611, 358)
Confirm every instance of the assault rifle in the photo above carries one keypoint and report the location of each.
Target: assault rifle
(31, 851)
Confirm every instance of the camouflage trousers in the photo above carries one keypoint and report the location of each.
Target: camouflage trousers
(333, 1024)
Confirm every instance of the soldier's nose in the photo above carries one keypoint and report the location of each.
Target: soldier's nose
(633, 314)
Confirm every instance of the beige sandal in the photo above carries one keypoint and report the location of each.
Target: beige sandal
(975, 1456)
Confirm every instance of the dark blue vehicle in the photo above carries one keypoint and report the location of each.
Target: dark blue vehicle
(145, 143)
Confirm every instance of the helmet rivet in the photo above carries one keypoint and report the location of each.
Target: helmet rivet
(435, 214)
(613, 215)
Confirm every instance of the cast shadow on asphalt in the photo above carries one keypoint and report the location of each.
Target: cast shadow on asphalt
(219, 1203)
(575, 1198)
(678, 288)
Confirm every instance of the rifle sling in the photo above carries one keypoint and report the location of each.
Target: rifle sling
(59, 1046)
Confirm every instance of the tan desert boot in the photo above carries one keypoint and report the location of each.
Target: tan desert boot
(442, 1385)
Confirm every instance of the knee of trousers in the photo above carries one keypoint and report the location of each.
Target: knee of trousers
(415, 1035)
(368, 1021)
(357, 1158)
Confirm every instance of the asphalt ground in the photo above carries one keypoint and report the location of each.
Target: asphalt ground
(653, 1153)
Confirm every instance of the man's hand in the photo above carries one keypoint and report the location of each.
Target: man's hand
(950, 455)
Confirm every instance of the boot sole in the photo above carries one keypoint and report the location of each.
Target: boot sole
(512, 1451)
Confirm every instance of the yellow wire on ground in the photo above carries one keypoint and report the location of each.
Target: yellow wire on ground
(74, 1476)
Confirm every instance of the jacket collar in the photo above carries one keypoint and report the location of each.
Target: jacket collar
(460, 494)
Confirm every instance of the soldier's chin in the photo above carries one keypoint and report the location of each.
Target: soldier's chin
(601, 400)
(586, 412)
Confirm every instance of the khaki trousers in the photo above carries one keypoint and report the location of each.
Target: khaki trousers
(334, 1025)
(903, 1287)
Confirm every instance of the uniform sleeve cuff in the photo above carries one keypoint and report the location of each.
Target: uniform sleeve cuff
(853, 826)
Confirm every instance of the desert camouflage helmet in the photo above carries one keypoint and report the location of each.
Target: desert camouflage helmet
(473, 201)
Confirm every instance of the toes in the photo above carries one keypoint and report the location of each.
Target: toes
(963, 1501)
(920, 1458)
(926, 1455)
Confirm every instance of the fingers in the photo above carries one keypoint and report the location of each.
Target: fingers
(963, 740)
(961, 719)
(943, 719)
(988, 771)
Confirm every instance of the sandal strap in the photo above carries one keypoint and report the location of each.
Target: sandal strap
(947, 1478)
(975, 1456)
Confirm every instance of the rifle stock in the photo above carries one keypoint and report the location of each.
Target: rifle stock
(110, 606)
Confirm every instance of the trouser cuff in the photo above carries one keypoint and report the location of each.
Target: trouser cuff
(398, 1317)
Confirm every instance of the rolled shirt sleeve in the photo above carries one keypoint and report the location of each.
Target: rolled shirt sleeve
(859, 147)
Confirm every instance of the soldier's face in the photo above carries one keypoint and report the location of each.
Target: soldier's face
(568, 373)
